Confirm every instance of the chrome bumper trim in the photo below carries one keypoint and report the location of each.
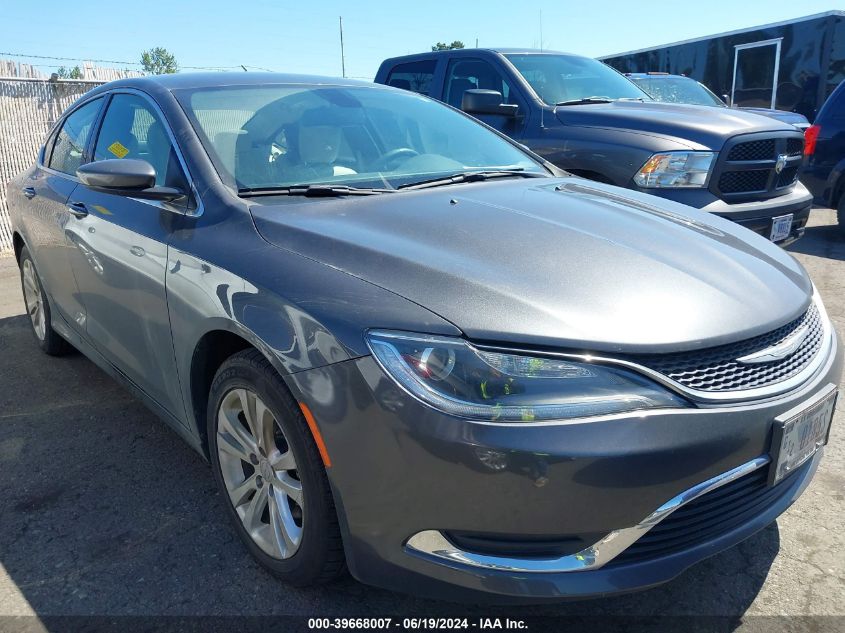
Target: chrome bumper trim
(432, 542)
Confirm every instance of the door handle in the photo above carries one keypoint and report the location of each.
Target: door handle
(29, 192)
(77, 209)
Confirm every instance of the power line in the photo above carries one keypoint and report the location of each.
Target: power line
(122, 63)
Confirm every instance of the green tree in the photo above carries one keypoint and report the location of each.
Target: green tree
(69, 73)
(159, 61)
(442, 46)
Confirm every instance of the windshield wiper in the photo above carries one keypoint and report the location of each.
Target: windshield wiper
(586, 100)
(473, 176)
(311, 191)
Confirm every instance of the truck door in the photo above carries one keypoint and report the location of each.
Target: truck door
(466, 73)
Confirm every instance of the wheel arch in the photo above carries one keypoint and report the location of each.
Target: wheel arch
(211, 350)
(18, 244)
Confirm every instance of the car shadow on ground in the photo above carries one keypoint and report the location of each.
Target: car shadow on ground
(821, 241)
(105, 511)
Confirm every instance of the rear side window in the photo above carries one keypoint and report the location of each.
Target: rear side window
(415, 76)
(70, 144)
(133, 129)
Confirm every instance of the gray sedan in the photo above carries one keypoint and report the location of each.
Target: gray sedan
(411, 348)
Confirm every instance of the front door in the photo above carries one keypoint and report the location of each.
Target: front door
(469, 73)
(755, 81)
(121, 253)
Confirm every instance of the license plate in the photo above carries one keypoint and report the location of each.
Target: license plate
(797, 436)
(781, 227)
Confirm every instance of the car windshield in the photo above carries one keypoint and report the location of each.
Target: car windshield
(279, 136)
(567, 78)
(677, 90)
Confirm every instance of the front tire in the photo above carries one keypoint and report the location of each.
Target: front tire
(270, 474)
(840, 214)
(38, 308)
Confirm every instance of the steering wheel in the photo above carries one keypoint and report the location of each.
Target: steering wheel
(392, 156)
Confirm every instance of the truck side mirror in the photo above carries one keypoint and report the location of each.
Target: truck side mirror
(479, 101)
(727, 100)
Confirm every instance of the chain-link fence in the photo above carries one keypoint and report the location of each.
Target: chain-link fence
(28, 108)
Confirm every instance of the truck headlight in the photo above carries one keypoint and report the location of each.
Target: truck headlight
(675, 169)
(459, 379)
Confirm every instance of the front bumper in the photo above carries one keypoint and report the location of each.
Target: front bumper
(756, 215)
(400, 468)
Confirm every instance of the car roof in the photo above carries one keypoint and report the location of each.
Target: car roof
(478, 51)
(179, 81)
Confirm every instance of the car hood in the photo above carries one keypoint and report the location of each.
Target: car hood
(704, 126)
(792, 118)
(552, 262)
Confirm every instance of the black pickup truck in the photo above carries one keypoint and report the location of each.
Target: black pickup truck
(588, 119)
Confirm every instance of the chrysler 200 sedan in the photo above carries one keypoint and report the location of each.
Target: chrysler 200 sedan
(413, 349)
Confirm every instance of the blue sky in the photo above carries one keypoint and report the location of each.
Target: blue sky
(303, 36)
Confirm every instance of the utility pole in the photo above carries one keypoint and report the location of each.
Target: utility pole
(342, 55)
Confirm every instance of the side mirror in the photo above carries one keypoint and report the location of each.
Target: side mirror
(727, 100)
(126, 177)
(478, 101)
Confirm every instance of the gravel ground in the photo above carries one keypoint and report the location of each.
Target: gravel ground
(105, 511)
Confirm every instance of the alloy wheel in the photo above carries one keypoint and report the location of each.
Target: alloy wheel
(34, 300)
(260, 473)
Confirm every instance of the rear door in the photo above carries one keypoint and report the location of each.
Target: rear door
(47, 216)
(120, 253)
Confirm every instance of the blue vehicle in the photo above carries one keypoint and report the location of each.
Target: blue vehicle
(670, 88)
(824, 169)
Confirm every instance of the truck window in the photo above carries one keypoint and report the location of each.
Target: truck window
(467, 74)
(415, 76)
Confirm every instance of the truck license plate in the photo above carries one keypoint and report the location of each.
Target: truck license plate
(781, 227)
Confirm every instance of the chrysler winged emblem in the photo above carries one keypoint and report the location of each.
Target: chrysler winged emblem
(781, 163)
(780, 351)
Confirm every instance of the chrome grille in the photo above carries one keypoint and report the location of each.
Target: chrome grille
(716, 369)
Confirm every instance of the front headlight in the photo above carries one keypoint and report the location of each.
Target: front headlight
(675, 169)
(456, 378)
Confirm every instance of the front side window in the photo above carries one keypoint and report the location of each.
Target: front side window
(468, 74)
(265, 137)
(133, 129)
(560, 79)
(69, 149)
(415, 76)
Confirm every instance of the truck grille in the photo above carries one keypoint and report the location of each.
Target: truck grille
(736, 181)
(716, 369)
(755, 150)
(795, 146)
(759, 165)
(708, 517)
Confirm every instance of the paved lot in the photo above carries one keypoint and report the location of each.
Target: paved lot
(105, 511)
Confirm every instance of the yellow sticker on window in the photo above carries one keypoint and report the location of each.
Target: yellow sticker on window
(118, 149)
